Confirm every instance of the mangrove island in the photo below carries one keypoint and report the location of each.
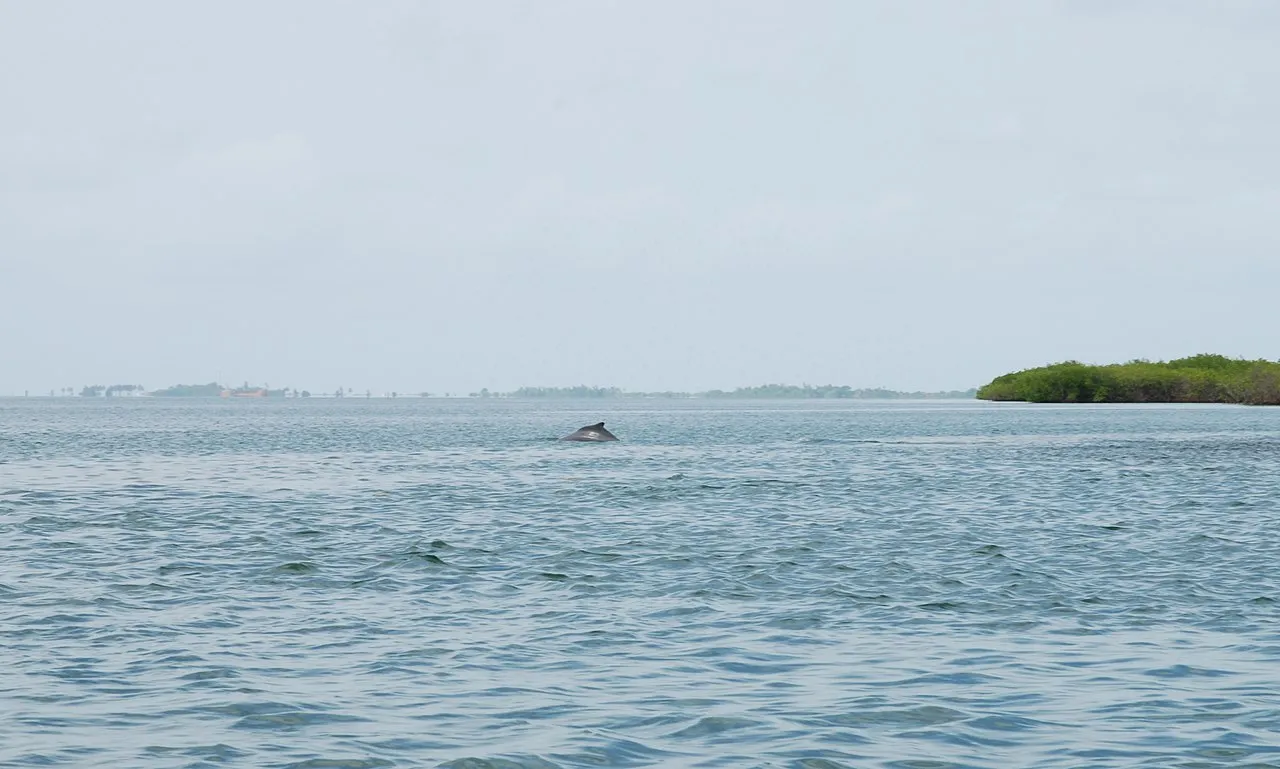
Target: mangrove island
(1198, 379)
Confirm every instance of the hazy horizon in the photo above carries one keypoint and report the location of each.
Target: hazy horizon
(659, 196)
(360, 392)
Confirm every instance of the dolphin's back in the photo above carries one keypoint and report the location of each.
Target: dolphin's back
(591, 434)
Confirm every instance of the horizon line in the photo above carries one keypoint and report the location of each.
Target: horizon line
(532, 392)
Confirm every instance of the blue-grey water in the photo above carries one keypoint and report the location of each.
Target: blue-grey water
(422, 583)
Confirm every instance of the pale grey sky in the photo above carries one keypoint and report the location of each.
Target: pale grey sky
(653, 195)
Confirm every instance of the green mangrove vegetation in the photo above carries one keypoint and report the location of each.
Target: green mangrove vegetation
(1201, 378)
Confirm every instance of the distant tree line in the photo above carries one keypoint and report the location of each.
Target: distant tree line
(98, 391)
(1201, 378)
(212, 389)
(771, 391)
(831, 391)
(581, 391)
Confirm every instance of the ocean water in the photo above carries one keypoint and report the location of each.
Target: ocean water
(424, 583)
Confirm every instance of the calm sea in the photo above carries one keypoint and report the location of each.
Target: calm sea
(423, 583)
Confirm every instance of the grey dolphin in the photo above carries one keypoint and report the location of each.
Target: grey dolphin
(592, 433)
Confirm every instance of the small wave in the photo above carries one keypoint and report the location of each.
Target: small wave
(211, 674)
(1186, 671)
(714, 725)
(294, 719)
(297, 567)
(925, 715)
(507, 762)
(1005, 723)
(340, 763)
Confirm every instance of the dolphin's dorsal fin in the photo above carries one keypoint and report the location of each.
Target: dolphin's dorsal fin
(594, 433)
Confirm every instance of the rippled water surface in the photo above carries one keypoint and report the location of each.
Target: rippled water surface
(405, 583)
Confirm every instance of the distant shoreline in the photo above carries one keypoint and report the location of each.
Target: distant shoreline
(762, 392)
(582, 392)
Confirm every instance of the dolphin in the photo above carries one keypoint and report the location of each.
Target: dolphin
(591, 433)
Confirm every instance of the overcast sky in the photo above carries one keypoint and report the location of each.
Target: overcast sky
(690, 194)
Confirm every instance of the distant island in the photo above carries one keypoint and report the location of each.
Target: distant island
(211, 390)
(1201, 378)
(215, 390)
(770, 391)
